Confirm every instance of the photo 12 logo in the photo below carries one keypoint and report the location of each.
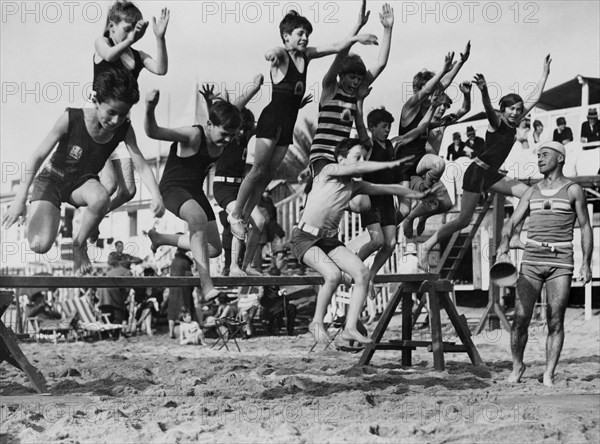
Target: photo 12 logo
(470, 12)
(268, 12)
(52, 12)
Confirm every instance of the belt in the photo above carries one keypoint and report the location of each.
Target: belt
(228, 179)
(481, 163)
(319, 232)
(551, 245)
(51, 169)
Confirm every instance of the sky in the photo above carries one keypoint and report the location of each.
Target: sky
(47, 49)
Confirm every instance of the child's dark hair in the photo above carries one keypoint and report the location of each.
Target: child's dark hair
(537, 124)
(149, 271)
(248, 121)
(353, 64)
(122, 11)
(345, 146)
(379, 115)
(223, 113)
(183, 311)
(117, 84)
(509, 100)
(291, 21)
(421, 78)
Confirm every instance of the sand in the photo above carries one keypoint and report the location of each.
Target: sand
(150, 389)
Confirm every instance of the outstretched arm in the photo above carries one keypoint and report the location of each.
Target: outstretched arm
(577, 195)
(360, 168)
(113, 53)
(184, 135)
(243, 100)
(376, 189)
(465, 88)
(387, 20)
(449, 77)
(399, 141)
(509, 227)
(160, 66)
(32, 165)
(363, 134)
(145, 172)
(334, 48)
(490, 112)
(416, 99)
(532, 100)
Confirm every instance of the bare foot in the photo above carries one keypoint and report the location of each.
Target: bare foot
(515, 376)
(548, 380)
(516, 243)
(354, 335)
(237, 272)
(154, 240)
(319, 333)
(407, 227)
(251, 271)
(81, 261)
(421, 225)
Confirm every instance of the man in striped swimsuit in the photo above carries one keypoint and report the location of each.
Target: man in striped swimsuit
(553, 205)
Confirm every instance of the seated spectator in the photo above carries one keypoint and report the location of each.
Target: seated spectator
(39, 308)
(562, 133)
(247, 306)
(457, 148)
(112, 301)
(148, 300)
(474, 143)
(189, 331)
(590, 130)
(272, 299)
(535, 137)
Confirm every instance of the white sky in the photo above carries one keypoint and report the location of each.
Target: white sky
(47, 48)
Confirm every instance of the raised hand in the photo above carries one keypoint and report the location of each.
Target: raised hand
(464, 56)
(479, 80)
(367, 39)
(387, 16)
(152, 98)
(208, 92)
(160, 26)
(449, 62)
(363, 91)
(138, 31)
(306, 100)
(465, 87)
(259, 80)
(16, 212)
(547, 62)
(363, 14)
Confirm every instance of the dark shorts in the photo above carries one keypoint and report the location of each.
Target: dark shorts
(382, 212)
(175, 197)
(225, 193)
(274, 230)
(543, 273)
(478, 179)
(57, 191)
(277, 123)
(404, 172)
(303, 241)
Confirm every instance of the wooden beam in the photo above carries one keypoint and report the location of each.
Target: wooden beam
(183, 281)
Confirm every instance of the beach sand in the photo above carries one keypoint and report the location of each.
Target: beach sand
(151, 389)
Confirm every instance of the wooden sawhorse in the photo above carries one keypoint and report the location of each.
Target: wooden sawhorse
(11, 352)
(438, 293)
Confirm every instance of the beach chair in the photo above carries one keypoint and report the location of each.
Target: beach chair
(228, 329)
(90, 322)
(52, 328)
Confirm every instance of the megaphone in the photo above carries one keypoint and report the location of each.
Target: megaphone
(504, 274)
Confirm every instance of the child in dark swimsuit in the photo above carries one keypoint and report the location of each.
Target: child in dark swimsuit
(124, 27)
(274, 132)
(482, 174)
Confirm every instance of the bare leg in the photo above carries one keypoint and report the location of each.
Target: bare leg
(171, 329)
(558, 291)
(348, 262)
(323, 264)
(236, 248)
(183, 240)
(125, 178)
(258, 225)
(95, 197)
(528, 290)
(469, 204)
(376, 242)
(439, 205)
(384, 253)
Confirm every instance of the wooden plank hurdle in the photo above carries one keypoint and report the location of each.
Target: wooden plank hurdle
(409, 283)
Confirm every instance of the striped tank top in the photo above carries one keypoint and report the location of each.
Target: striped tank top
(336, 117)
(551, 221)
